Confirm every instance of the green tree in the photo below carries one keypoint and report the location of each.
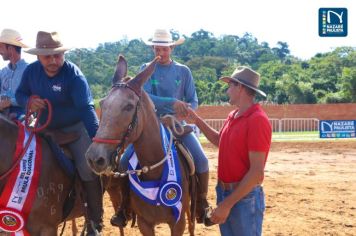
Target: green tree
(348, 84)
(282, 50)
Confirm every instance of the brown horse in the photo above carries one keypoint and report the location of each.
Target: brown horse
(128, 116)
(53, 187)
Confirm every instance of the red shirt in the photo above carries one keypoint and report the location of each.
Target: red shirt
(249, 132)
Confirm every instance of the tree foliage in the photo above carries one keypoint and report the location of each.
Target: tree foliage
(325, 78)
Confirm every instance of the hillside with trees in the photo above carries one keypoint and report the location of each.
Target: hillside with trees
(325, 78)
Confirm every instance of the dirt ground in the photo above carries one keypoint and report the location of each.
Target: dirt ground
(310, 189)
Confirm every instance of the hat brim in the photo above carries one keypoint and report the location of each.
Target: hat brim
(46, 51)
(14, 43)
(166, 44)
(228, 79)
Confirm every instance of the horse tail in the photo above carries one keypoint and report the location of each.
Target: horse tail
(134, 217)
(192, 180)
(193, 202)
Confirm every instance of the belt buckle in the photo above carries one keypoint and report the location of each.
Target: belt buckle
(225, 186)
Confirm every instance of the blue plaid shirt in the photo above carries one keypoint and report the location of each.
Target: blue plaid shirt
(10, 78)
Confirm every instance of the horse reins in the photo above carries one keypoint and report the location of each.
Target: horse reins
(36, 128)
(33, 131)
(145, 169)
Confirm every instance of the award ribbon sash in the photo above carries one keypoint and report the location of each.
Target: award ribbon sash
(167, 190)
(20, 190)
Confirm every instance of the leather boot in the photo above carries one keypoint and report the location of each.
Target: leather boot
(94, 194)
(124, 213)
(202, 202)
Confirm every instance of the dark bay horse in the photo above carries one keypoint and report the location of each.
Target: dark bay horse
(53, 187)
(128, 116)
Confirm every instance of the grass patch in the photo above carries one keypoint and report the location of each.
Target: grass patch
(312, 136)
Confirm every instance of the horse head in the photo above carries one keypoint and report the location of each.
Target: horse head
(121, 119)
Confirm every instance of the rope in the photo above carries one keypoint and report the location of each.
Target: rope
(175, 124)
(33, 130)
(145, 169)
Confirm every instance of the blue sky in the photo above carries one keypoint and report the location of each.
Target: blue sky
(86, 23)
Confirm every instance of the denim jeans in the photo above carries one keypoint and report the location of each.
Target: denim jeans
(246, 215)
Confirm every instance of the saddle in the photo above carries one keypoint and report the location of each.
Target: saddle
(57, 140)
(59, 137)
(182, 130)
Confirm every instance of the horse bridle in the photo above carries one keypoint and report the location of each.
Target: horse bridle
(121, 142)
(35, 129)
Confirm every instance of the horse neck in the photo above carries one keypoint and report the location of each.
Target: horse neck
(8, 136)
(148, 146)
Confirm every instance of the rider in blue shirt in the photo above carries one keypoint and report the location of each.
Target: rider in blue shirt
(65, 86)
(172, 90)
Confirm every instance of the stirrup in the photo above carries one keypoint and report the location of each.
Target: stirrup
(207, 215)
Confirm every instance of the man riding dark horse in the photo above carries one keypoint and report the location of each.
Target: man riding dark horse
(62, 83)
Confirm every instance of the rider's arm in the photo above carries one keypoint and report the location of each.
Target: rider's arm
(83, 101)
(210, 133)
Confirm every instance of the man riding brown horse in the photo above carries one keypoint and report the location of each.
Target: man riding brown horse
(64, 85)
(160, 182)
(172, 90)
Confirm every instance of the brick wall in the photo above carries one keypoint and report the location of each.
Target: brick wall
(346, 111)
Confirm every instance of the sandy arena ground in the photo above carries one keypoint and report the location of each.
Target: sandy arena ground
(310, 190)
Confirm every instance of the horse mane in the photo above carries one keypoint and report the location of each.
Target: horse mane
(150, 102)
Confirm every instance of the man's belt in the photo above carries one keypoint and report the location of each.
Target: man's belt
(227, 186)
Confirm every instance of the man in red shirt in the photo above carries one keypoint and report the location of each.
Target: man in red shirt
(244, 143)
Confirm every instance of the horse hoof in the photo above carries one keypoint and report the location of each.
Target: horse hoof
(206, 218)
(118, 220)
(208, 222)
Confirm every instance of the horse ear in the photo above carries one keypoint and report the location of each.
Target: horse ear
(121, 70)
(143, 76)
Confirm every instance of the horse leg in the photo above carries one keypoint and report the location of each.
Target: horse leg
(49, 231)
(115, 197)
(178, 228)
(122, 233)
(114, 192)
(146, 228)
(74, 227)
(191, 225)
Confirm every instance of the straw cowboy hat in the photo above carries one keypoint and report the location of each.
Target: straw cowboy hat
(245, 76)
(162, 37)
(47, 44)
(12, 37)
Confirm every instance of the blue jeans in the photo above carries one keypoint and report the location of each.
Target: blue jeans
(246, 216)
(194, 147)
